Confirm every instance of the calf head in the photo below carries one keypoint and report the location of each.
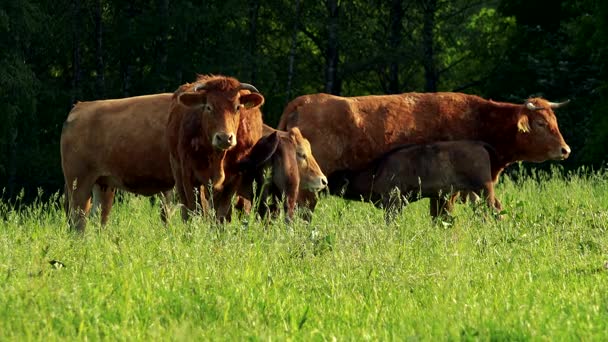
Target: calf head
(538, 137)
(219, 100)
(311, 176)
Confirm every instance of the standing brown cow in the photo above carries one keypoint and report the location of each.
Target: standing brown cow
(212, 124)
(114, 144)
(434, 171)
(347, 133)
(287, 157)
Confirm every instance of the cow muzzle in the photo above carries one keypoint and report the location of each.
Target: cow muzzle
(224, 141)
(316, 184)
(565, 151)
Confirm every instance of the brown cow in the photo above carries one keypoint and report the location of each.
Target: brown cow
(347, 133)
(435, 171)
(114, 144)
(291, 164)
(212, 124)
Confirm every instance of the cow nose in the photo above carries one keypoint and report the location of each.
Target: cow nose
(566, 151)
(224, 141)
(324, 181)
(230, 139)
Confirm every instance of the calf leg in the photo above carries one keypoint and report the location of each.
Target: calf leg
(393, 205)
(441, 206)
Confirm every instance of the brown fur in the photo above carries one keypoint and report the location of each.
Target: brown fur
(291, 164)
(114, 144)
(191, 130)
(347, 133)
(437, 171)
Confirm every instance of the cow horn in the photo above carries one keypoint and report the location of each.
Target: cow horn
(249, 87)
(199, 86)
(558, 104)
(531, 106)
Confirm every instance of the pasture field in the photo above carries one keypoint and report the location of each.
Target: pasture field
(538, 274)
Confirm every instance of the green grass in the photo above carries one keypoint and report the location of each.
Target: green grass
(538, 274)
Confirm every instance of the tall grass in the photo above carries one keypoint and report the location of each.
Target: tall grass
(540, 273)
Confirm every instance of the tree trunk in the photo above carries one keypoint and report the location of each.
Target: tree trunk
(76, 32)
(162, 45)
(12, 160)
(431, 75)
(332, 82)
(292, 51)
(101, 83)
(394, 40)
(254, 9)
(127, 66)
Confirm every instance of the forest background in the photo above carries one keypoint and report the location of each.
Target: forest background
(54, 53)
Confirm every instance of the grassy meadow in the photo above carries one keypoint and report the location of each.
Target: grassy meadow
(538, 274)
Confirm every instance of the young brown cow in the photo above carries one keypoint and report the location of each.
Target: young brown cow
(411, 172)
(291, 164)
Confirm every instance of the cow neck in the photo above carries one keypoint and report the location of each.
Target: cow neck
(248, 133)
(498, 127)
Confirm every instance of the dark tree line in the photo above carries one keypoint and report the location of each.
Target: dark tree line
(53, 53)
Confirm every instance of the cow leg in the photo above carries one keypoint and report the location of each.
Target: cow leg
(290, 190)
(441, 206)
(103, 196)
(107, 200)
(79, 197)
(178, 175)
(491, 200)
(204, 193)
(243, 205)
(393, 205)
(222, 200)
(185, 192)
(188, 198)
(264, 203)
(165, 203)
(307, 200)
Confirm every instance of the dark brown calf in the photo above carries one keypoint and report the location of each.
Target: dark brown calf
(287, 157)
(411, 172)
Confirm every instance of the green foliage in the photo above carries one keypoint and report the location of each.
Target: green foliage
(540, 273)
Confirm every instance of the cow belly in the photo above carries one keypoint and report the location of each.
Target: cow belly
(146, 185)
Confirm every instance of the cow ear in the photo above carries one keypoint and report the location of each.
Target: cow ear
(260, 153)
(192, 99)
(294, 134)
(252, 100)
(523, 125)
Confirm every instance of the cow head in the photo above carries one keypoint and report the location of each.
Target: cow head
(311, 176)
(538, 134)
(219, 101)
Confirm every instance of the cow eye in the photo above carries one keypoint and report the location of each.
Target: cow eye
(238, 107)
(541, 123)
(208, 107)
(301, 155)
